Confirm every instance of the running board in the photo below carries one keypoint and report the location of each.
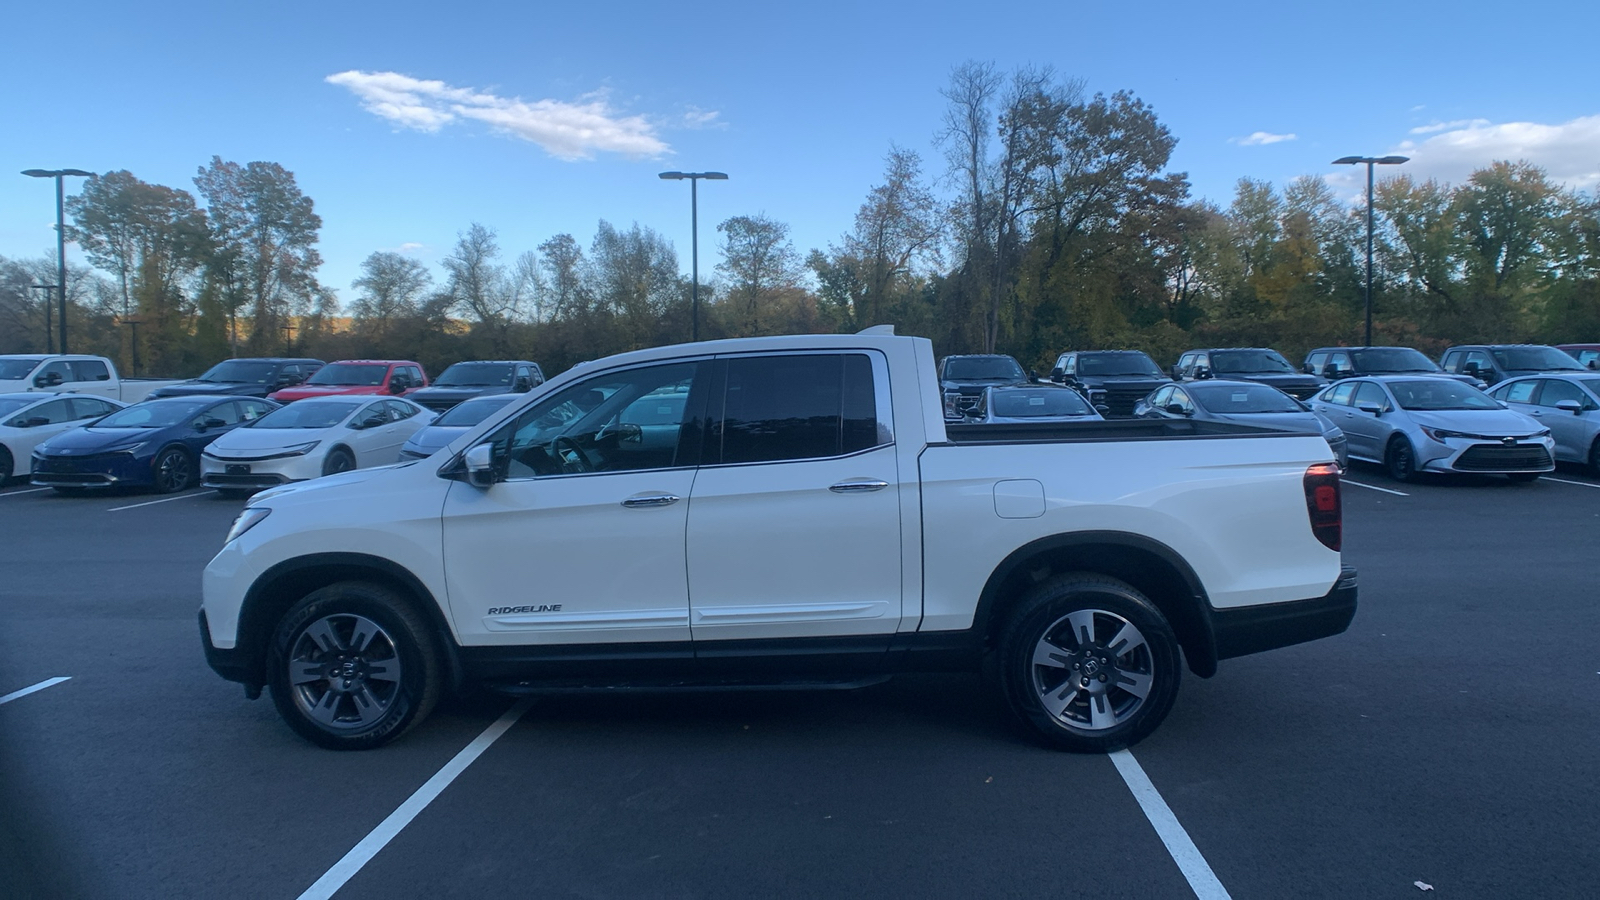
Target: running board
(678, 685)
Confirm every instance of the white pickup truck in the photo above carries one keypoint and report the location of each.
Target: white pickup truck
(95, 375)
(780, 511)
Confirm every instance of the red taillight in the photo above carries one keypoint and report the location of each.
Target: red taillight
(1324, 506)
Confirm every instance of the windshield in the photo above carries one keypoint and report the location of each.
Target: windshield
(353, 374)
(235, 371)
(9, 405)
(13, 369)
(1438, 393)
(308, 414)
(1392, 360)
(1230, 399)
(1250, 361)
(983, 368)
(152, 415)
(1123, 362)
(475, 374)
(1534, 359)
(1031, 403)
(470, 413)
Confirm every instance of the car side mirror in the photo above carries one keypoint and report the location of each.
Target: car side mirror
(398, 385)
(1202, 372)
(47, 379)
(1058, 375)
(479, 462)
(1471, 369)
(374, 420)
(1594, 363)
(522, 385)
(1372, 408)
(1571, 406)
(1033, 376)
(1308, 368)
(1177, 409)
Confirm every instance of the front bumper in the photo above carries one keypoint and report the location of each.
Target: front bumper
(1253, 629)
(233, 665)
(1481, 457)
(257, 474)
(103, 470)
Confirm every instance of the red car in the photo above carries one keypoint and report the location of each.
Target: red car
(358, 376)
(1588, 354)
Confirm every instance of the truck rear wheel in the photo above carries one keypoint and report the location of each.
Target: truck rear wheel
(353, 666)
(1089, 664)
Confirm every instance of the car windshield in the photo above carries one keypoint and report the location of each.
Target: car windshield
(1534, 359)
(14, 369)
(1440, 393)
(1231, 361)
(308, 414)
(983, 368)
(236, 371)
(350, 374)
(470, 413)
(1392, 360)
(1122, 362)
(9, 405)
(475, 375)
(1033, 403)
(1230, 399)
(152, 415)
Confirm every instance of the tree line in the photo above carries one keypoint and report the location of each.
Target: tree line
(1054, 222)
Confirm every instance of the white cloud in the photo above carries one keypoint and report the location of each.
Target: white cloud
(410, 248)
(1260, 138)
(1449, 126)
(1568, 152)
(695, 117)
(565, 130)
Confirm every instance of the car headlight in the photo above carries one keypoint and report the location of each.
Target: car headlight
(1440, 434)
(247, 519)
(300, 449)
(131, 449)
(1542, 434)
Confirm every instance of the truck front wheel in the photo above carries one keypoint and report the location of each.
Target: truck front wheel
(1088, 663)
(353, 666)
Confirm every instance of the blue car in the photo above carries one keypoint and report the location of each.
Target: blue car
(453, 423)
(155, 444)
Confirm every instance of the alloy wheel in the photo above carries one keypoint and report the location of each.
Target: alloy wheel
(172, 471)
(1092, 669)
(344, 672)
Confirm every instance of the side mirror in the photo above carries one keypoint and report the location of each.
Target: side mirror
(1471, 369)
(1571, 406)
(1177, 409)
(1033, 375)
(374, 420)
(1309, 369)
(1594, 363)
(398, 385)
(1332, 371)
(1202, 372)
(1058, 375)
(522, 385)
(48, 379)
(1175, 372)
(479, 461)
(287, 380)
(208, 423)
(1369, 407)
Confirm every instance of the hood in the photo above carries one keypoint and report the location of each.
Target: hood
(1279, 379)
(1129, 381)
(974, 385)
(1487, 422)
(463, 391)
(207, 388)
(261, 441)
(433, 437)
(340, 482)
(80, 441)
(1288, 421)
(305, 392)
(1478, 383)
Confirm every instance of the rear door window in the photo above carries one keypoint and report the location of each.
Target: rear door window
(797, 406)
(90, 370)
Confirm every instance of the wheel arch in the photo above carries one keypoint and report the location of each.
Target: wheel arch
(282, 585)
(1149, 566)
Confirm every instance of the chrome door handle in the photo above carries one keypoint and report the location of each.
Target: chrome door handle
(858, 486)
(650, 500)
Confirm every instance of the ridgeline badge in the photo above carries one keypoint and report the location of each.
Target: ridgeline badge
(513, 610)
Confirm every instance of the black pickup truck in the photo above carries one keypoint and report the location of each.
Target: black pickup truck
(1113, 380)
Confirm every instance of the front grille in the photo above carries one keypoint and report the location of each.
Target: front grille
(217, 479)
(1122, 402)
(967, 401)
(1489, 458)
(78, 479)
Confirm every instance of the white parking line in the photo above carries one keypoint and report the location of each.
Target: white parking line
(154, 502)
(48, 682)
(1373, 487)
(1201, 879)
(346, 868)
(28, 491)
(1578, 483)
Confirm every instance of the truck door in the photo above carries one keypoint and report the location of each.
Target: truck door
(582, 539)
(794, 522)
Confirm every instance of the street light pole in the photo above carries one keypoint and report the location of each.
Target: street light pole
(49, 326)
(61, 237)
(694, 239)
(1370, 161)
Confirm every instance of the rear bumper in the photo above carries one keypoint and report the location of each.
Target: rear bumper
(1252, 629)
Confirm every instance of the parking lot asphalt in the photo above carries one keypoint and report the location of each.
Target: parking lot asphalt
(1448, 738)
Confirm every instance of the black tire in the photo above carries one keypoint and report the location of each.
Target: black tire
(364, 709)
(1400, 459)
(233, 494)
(1103, 711)
(172, 471)
(6, 464)
(1524, 477)
(338, 461)
(1594, 458)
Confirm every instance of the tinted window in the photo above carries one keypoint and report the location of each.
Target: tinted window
(55, 412)
(475, 374)
(801, 406)
(1393, 360)
(350, 374)
(241, 371)
(1125, 362)
(1547, 359)
(580, 428)
(983, 368)
(1556, 391)
(1228, 399)
(90, 370)
(1233, 361)
(1036, 402)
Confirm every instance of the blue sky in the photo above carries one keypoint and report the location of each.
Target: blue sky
(797, 102)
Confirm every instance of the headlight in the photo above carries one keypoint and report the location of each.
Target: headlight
(1542, 434)
(1440, 434)
(300, 449)
(131, 448)
(246, 520)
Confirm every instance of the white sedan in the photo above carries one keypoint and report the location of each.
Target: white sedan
(309, 439)
(26, 420)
